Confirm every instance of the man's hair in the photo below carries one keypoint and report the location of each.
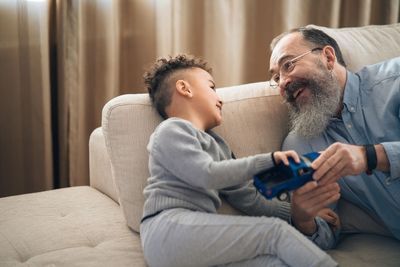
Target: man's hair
(316, 37)
(157, 78)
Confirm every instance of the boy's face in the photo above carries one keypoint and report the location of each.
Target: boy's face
(205, 100)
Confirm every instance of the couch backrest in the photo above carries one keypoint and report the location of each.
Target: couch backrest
(367, 45)
(255, 121)
(254, 118)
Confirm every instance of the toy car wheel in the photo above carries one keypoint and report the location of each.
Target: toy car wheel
(283, 196)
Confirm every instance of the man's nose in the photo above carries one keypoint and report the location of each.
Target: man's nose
(283, 84)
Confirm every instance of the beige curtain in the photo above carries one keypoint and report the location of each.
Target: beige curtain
(26, 163)
(62, 60)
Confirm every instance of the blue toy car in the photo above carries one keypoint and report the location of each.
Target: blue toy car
(279, 180)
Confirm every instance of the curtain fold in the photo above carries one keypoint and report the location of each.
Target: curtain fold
(25, 118)
(62, 60)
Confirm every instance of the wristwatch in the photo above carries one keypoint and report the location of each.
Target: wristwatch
(370, 152)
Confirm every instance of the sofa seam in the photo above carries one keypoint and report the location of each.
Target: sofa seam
(11, 244)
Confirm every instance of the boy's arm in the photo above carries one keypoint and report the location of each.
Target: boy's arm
(178, 149)
(247, 199)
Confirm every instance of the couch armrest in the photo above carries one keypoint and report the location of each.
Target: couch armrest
(100, 166)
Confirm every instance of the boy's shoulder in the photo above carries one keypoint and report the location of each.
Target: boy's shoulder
(170, 131)
(174, 126)
(174, 123)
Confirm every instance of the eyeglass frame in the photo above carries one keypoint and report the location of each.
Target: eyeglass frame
(291, 63)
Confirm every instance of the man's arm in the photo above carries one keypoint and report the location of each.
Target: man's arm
(309, 200)
(340, 160)
(247, 199)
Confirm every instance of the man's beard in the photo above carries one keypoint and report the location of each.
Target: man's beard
(311, 119)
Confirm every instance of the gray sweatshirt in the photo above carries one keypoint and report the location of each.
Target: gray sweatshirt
(191, 169)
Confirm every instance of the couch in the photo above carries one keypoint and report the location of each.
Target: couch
(98, 225)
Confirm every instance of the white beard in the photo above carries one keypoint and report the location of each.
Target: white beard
(311, 119)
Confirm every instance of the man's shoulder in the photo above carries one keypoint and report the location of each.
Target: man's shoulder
(376, 73)
(391, 64)
(297, 143)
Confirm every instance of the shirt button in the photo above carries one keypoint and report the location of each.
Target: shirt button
(351, 108)
(387, 181)
(348, 125)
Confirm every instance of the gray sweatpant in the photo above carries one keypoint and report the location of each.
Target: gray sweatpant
(180, 237)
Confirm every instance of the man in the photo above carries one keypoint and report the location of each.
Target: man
(354, 118)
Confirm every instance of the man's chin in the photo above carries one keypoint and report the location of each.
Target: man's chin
(300, 105)
(307, 123)
(303, 100)
(307, 134)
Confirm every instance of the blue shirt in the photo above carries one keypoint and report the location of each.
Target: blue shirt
(370, 115)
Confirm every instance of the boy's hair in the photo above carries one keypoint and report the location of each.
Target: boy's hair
(157, 78)
(314, 36)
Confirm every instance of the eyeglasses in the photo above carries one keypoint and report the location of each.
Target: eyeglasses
(288, 66)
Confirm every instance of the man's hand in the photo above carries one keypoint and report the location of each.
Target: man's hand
(308, 201)
(339, 160)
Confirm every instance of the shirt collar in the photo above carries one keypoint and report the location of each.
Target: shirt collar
(351, 95)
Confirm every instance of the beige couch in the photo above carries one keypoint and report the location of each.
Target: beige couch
(88, 226)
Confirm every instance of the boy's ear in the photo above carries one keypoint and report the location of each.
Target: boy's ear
(183, 88)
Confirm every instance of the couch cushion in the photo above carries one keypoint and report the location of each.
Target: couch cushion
(366, 45)
(100, 165)
(76, 226)
(127, 123)
(254, 118)
(367, 250)
(129, 120)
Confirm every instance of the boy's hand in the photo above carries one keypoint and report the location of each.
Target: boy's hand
(330, 217)
(280, 156)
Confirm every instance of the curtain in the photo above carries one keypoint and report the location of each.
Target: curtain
(26, 162)
(62, 60)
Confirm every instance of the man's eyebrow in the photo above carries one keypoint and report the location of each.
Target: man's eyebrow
(281, 60)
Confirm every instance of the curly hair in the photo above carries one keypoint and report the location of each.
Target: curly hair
(157, 78)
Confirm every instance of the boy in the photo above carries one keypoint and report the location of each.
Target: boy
(190, 166)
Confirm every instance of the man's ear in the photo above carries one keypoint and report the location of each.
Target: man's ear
(183, 88)
(329, 53)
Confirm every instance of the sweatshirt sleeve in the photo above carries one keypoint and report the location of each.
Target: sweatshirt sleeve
(247, 199)
(177, 148)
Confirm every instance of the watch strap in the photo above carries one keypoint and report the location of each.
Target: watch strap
(372, 161)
